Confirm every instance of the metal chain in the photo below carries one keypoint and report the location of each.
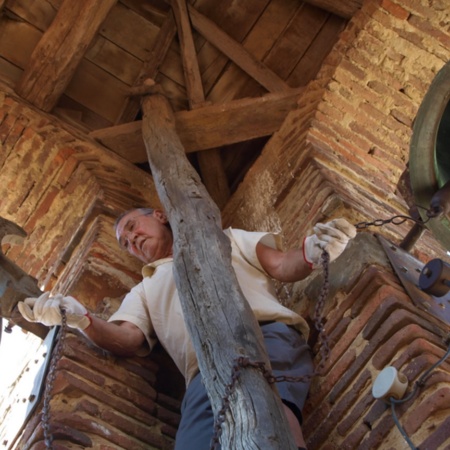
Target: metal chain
(243, 362)
(48, 438)
(395, 220)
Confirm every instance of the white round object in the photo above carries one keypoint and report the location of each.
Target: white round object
(389, 383)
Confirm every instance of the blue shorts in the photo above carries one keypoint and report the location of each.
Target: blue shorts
(289, 355)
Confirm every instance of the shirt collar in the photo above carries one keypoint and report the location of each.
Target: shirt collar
(149, 269)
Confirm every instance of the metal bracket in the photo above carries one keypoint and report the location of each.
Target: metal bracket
(408, 269)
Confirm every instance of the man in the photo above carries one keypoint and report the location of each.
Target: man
(152, 310)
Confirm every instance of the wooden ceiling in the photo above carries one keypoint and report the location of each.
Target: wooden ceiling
(232, 69)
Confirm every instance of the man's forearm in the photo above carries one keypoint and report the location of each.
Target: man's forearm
(123, 340)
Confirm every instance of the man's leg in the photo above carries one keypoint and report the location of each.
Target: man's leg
(197, 420)
(290, 356)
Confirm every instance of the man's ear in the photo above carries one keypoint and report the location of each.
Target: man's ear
(160, 215)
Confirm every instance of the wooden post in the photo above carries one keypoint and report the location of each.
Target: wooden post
(219, 319)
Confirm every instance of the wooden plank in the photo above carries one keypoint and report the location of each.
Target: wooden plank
(209, 127)
(216, 313)
(9, 73)
(236, 19)
(58, 53)
(259, 42)
(308, 67)
(188, 53)
(305, 25)
(343, 8)
(91, 86)
(40, 14)
(130, 31)
(17, 41)
(155, 11)
(114, 60)
(237, 53)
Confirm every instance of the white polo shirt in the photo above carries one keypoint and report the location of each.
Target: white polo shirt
(154, 306)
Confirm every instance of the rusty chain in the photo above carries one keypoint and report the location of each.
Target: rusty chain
(48, 438)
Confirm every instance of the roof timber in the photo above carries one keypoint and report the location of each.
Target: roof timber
(342, 8)
(236, 52)
(210, 163)
(208, 127)
(60, 50)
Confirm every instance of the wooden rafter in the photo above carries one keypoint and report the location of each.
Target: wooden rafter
(209, 127)
(237, 53)
(210, 162)
(61, 48)
(343, 8)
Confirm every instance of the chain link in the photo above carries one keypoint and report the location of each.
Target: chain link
(48, 438)
(243, 362)
(395, 220)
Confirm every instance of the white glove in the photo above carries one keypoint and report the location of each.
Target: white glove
(47, 310)
(332, 236)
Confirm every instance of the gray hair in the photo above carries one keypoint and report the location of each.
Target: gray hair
(143, 211)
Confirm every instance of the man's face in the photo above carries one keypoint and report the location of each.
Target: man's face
(146, 237)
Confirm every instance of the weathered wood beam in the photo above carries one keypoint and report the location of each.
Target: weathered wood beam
(209, 127)
(210, 161)
(191, 68)
(343, 8)
(236, 52)
(61, 48)
(150, 67)
(218, 317)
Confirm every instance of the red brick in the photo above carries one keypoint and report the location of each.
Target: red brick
(43, 208)
(433, 403)
(419, 340)
(395, 9)
(426, 27)
(69, 384)
(438, 436)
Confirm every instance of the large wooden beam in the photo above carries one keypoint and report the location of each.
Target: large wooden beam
(210, 161)
(61, 48)
(218, 317)
(208, 127)
(343, 8)
(237, 53)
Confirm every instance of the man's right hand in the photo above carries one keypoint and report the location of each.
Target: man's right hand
(47, 310)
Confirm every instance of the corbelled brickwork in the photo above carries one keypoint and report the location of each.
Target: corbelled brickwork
(371, 323)
(104, 402)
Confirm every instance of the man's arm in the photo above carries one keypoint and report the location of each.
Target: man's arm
(123, 339)
(287, 266)
(296, 264)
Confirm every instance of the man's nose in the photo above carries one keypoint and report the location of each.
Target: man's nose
(130, 238)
